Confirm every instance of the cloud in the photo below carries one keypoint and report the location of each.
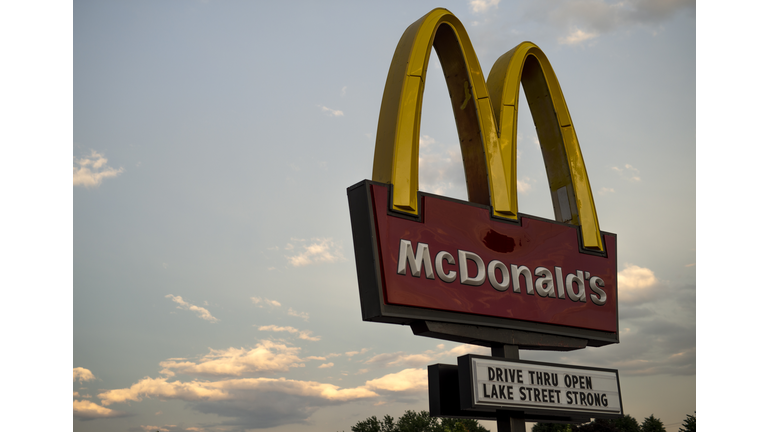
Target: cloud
(636, 284)
(407, 380)
(354, 353)
(262, 402)
(524, 186)
(577, 36)
(251, 403)
(91, 170)
(319, 250)
(463, 349)
(303, 334)
(302, 315)
(171, 428)
(201, 312)
(261, 302)
(588, 19)
(605, 190)
(479, 6)
(628, 172)
(82, 374)
(657, 322)
(401, 358)
(441, 168)
(332, 112)
(87, 410)
(265, 357)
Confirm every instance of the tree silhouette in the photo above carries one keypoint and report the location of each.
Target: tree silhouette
(552, 427)
(689, 425)
(652, 424)
(624, 423)
(411, 421)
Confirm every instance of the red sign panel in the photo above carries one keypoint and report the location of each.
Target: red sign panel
(457, 259)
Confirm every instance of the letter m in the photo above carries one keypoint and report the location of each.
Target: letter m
(422, 258)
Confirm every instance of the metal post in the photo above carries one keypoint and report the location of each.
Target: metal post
(508, 421)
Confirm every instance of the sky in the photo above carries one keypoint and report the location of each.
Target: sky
(212, 266)
(214, 284)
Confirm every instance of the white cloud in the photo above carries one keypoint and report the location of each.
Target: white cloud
(628, 172)
(229, 390)
(332, 112)
(261, 302)
(441, 169)
(201, 312)
(479, 6)
(87, 410)
(636, 284)
(576, 37)
(407, 380)
(354, 353)
(302, 315)
(82, 374)
(266, 356)
(401, 358)
(91, 170)
(262, 402)
(319, 250)
(303, 334)
(425, 141)
(524, 186)
(605, 190)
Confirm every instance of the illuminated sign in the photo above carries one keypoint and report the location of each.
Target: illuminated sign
(535, 387)
(423, 257)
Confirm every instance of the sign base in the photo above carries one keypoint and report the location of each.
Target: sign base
(488, 336)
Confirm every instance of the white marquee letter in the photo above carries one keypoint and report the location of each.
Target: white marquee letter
(422, 258)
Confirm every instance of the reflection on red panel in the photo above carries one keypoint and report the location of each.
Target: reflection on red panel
(452, 226)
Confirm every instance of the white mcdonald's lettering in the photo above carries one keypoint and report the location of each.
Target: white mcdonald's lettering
(574, 285)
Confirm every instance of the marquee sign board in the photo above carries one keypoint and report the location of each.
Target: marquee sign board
(422, 257)
(535, 388)
(444, 400)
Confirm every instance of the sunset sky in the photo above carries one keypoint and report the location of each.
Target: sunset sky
(213, 274)
(214, 278)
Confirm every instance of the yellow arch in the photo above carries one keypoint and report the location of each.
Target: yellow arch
(489, 152)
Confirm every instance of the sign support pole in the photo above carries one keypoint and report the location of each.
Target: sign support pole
(508, 421)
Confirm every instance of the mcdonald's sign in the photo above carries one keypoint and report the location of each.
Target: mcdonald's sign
(427, 258)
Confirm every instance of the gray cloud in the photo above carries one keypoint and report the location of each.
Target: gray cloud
(598, 16)
(658, 336)
(260, 410)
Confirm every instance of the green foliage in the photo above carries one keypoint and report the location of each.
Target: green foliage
(689, 424)
(652, 424)
(626, 424)
(412, 421)
(372, 424)
(417, 422)
(622, 424)
(599, 425)
(552, 427)
(461, 425)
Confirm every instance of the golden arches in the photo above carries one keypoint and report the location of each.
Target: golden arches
(489, 152)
